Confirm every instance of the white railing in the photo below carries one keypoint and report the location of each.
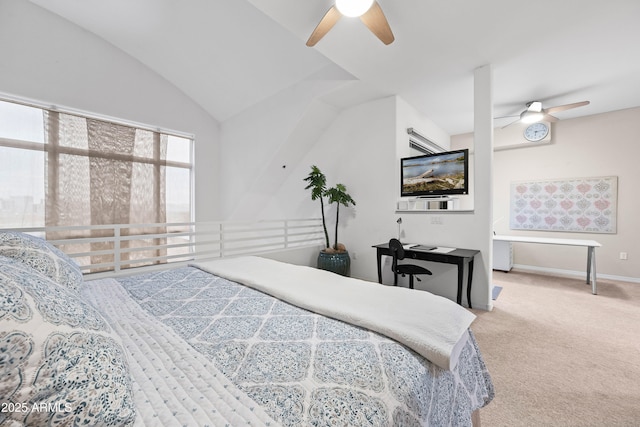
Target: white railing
(110, 250)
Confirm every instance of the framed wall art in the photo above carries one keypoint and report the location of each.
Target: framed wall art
(585, 205)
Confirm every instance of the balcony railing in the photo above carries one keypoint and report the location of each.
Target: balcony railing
(110, 250)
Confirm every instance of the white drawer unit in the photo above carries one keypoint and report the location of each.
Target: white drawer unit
(502, 255)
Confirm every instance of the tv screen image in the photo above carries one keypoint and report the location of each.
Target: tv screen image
(433, 175)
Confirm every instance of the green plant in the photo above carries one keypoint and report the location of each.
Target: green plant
(317, 183)
(339, 196)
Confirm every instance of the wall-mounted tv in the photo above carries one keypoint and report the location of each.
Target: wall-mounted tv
(434, 175)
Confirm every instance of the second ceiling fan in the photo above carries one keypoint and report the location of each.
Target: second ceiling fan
(534, 112)
(370, 14)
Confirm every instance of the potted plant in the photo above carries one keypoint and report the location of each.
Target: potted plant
(333, 258)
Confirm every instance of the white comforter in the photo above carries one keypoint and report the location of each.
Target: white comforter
(433, 326)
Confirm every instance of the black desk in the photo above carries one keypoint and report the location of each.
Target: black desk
(459, 257)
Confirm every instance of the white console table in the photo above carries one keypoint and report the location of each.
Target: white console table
(591, 246)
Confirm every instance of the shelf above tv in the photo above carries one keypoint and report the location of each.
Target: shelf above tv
(444, 203)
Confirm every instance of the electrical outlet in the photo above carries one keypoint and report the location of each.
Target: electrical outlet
(623, 255)
(436, 220)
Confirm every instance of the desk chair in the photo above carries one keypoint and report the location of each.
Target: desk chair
(411, 269)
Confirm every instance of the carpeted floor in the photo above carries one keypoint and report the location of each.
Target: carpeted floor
(560, 356)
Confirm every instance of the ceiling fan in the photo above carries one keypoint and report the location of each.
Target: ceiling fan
(370, 14)
(535, 113)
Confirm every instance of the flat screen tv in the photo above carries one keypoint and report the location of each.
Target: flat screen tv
(435, 175)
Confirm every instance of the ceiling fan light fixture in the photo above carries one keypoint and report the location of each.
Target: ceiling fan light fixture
(353, 8)
(528, 116)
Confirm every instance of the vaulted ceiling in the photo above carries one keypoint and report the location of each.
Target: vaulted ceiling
(228, 55)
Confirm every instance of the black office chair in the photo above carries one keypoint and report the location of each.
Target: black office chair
(404, 269)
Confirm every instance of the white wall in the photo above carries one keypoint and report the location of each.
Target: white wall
(263, 145)
(356, 148)
(359, 151)
(46, 58)
(598, 145)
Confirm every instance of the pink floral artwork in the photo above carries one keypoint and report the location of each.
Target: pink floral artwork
(583, 221)
(583, 187)
(584, 205)
(566, 204)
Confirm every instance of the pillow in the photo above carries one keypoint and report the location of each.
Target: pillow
(61, 362)
(37, 253)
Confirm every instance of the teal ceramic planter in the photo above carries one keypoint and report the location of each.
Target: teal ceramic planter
(339, 263)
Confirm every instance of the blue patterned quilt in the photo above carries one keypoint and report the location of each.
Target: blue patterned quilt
(306, 369)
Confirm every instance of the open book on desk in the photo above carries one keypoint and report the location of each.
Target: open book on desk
(436, 249)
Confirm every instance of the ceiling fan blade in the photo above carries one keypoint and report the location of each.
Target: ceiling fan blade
(375, 20)
(565, 107)
(549, 118)
(506, 117)
(509, 124)
(326, 23)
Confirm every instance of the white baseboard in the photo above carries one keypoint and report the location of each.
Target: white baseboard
(485, 307)
(573, 273)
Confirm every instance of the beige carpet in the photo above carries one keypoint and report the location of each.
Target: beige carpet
(560, 356)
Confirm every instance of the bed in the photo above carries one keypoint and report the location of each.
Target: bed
(239, 341)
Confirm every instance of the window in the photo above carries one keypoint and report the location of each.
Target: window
(21, 166)
(65, 169)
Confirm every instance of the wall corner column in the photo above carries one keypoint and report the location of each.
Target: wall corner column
(483, 175)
